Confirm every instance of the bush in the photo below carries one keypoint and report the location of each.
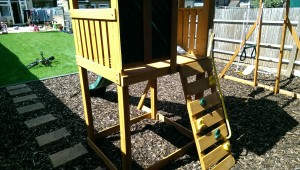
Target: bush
(268, 3)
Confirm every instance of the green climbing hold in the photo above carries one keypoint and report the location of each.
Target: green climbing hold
(217, 133)
(202, 102)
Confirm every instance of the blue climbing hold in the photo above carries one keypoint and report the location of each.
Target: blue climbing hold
(217, 133)
(202, 102)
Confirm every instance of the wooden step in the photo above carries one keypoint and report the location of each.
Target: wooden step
(210, 119)
(200, 66)
(194, 107)
(226, 163)
(198, 86)
(214, 156)
(209, 139)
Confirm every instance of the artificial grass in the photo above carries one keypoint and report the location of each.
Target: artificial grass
(18, 50)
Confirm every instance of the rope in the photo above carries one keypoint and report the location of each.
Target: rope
(246, 14)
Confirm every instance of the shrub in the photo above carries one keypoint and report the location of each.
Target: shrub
(268, 3)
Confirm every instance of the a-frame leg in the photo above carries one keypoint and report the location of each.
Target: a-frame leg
(124, 118)
(153, 91)
(86, 100)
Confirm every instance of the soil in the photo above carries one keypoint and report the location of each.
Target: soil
(265, 126)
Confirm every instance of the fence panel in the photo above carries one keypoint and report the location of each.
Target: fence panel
(230, 29)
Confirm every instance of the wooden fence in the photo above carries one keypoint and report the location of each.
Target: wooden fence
(230, 29)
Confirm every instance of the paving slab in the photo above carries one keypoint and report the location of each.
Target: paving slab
(52, 136)
(16, 87)
(39, 120)
(30, 108)
(19, 91)
(24, 98)
(67, 155)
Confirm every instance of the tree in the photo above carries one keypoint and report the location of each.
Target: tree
(268, 3)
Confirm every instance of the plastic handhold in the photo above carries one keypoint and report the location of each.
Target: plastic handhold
(212, 80)
(202, 102)
(200, 124)
(227, 146)
(217, 133)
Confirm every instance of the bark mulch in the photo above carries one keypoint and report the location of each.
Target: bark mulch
(265, 126)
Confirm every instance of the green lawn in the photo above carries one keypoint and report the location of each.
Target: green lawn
(18, 50)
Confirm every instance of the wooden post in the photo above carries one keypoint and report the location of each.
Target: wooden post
(173, 48)
(258, 44)
(181, 3)
(286, 17)
(73, 4)
(294, 52)
(294, 34)
(153, 91)
(147, 12)
(143, 97)
(124, 118)
(86, 100)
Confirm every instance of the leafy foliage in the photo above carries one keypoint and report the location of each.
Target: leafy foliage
(268, 3)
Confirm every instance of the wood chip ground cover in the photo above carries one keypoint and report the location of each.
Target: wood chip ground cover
(265, 126)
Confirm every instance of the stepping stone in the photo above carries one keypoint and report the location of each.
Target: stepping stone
(39, 120)
(52, 136)
(29, 108)
(19, 91)
(16, 87)
(67, 155)
(24, 98)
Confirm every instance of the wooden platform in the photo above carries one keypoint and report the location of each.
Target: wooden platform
(134, 73)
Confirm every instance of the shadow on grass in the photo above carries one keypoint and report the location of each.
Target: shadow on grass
(19, 148)
(19, 50)
(12, 70)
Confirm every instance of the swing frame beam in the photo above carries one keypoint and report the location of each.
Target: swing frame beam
(286, 25)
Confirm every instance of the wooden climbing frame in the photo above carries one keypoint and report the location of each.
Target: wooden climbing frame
(103, 47)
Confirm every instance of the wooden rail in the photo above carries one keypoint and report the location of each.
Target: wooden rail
(192, 30)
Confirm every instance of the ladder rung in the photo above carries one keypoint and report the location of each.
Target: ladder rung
(214, 156)
(211, 119)
(197, 86)
(226, 163)
(209, 139)
(194, 68)
(211, 100)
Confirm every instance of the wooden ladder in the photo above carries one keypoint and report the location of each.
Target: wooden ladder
(206, 115)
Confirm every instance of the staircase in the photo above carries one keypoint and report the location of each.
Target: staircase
(206, 113)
